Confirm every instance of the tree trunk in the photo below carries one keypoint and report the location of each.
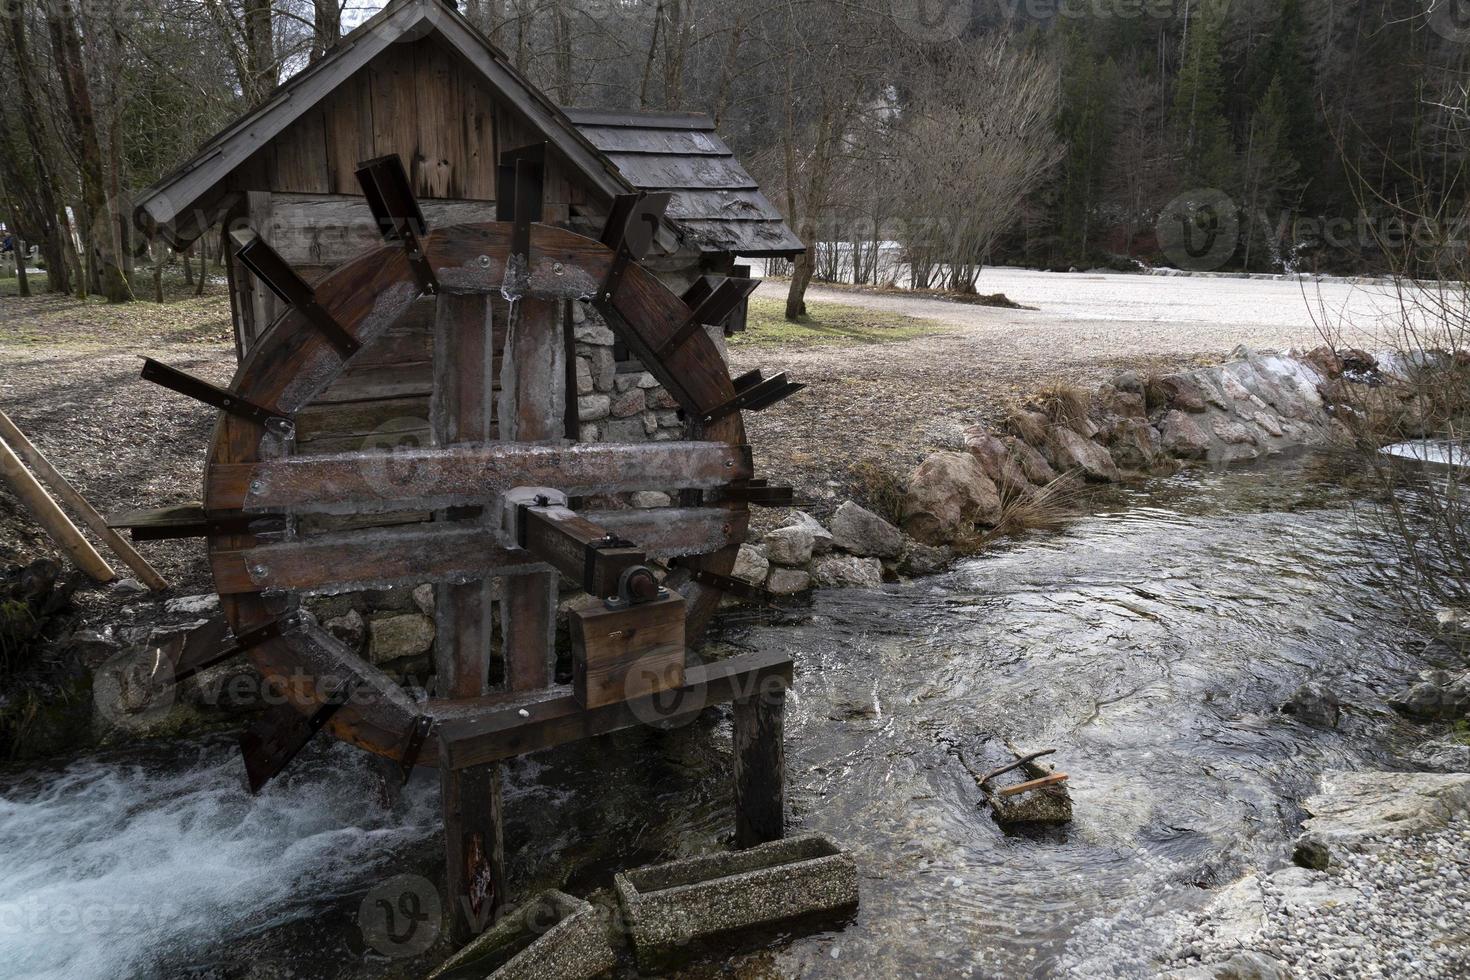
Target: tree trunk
(801, 277)
(188, 265)
(327, 27)
(106, 250)
(58, 278)
(260, 49)
(561, 29)
(159, 250)
(72, 257)
(22, 278)
(658, 19)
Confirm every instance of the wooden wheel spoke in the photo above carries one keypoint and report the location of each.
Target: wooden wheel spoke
(433, 478)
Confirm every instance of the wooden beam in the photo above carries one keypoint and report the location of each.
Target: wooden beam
(51, 517)
(462, 411)
(532, 401)
(373, 558)
(474, 848)
(11, 433)
(429, 479)
(760, 768)
(534, 724)
(573, 545)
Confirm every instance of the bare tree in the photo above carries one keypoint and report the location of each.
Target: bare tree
(101, 208)
(43, 212)
(974, 138)
(247, 29)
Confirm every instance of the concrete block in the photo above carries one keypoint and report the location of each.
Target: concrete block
(551, 937)
(694, 902)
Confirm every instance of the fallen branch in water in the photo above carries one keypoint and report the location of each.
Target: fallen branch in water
(1052, 780)
(1022, 761)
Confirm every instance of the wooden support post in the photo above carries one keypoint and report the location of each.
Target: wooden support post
(11, 433)
(474, 850)
(462, 411)
(51, 517)
(760, 767)
(532, 392)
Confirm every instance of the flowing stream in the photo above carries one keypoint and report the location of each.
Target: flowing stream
(1151, 644)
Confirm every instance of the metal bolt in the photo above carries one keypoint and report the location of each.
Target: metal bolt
(484, 261)
(557, 268)
(256, 486)
(257, 571)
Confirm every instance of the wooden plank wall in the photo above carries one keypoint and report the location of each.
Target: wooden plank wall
(413, 100)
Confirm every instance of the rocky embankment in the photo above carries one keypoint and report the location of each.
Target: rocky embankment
(1255, 405)
(1377, 890)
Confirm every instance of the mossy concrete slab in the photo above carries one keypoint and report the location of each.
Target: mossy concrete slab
(671, 907)
(551, 937)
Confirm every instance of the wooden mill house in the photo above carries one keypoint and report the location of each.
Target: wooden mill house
(417, 80)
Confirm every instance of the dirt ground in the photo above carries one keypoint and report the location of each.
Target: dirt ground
(69, 378)
(890, 377)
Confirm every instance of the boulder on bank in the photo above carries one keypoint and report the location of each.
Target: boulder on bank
(996, 460)
(1182, 436)
(1032, 463)
(790, 546)
(1439, 695)
(848, 570)
(946, 492)
(1355, 810)
(821, 537)
(750, 565)
(862, 532)
(1135, 445)
(1070, 450)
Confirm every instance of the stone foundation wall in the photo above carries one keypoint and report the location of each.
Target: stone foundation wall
(614, 402)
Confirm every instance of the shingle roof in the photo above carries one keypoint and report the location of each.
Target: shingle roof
(191, 186)
(717, 206)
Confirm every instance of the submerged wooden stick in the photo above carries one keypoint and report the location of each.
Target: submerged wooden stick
(11, 433)
(1052, 780)
(51, 517)
(1023, 760)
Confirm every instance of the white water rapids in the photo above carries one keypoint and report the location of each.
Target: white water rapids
(106, 868)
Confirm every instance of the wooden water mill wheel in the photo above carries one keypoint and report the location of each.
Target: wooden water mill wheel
(502, 481)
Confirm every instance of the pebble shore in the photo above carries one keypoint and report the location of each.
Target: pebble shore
(1397, 908)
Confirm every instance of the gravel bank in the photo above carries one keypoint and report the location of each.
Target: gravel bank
(1390, 902)
(1399, 910)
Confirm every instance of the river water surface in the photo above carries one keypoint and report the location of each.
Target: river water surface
(1151, 644)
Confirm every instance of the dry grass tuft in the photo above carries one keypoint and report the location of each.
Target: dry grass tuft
(1025, 426)
(1046, 508)
(881, 489)
(1064, 404)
